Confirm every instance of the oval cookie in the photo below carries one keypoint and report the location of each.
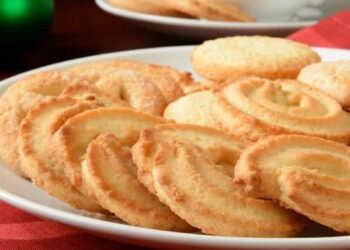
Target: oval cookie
(333, 78)
(226, 59)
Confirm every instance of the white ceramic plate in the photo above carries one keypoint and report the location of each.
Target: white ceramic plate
(22, 194)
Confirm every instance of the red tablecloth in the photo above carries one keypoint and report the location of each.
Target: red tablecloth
(20, 230)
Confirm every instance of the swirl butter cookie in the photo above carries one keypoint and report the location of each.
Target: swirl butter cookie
(89, 92)
(226, 152)
(19, 99)
(37, 151)
(222, 10)
(331, 77)
(226, 59)
(91, 165)
(124, 87)
(258, 107)
(140, 93)
(308, 174)
(190, 169)
(78, 131)
(168, 80)
(111, 176)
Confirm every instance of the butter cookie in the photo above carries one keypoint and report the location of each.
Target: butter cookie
(111, 176)
(256, 108)
(332, 78)
(37, 151)
(221, 10)
(226, 59)
(168, 80)
(308, 174)
(190, 169)
(16, 102)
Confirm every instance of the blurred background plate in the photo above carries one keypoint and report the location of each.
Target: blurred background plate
(274, 17)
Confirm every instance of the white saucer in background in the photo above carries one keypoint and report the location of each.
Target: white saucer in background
(280, 22)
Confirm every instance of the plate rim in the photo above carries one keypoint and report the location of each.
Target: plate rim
(110, 55)
(153, 235)
(80, 221)
(101, 56)
(185, 22)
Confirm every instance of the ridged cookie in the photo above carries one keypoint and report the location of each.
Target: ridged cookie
(224, 152)
(146, 6)
(222, 10)
(190, 169)
(332, 78)
(89, 92)
(307, 174)
(140, 93)
(111, 176)
(226, 59)
(125, 125)
(78, 131)
(18, 100)
(256, 107)
(168, 80)
(37, 151)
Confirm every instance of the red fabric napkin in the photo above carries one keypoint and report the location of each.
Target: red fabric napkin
(20, 230)
(332, 32)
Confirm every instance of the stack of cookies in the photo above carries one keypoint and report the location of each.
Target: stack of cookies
(222, 10)
(257, 149)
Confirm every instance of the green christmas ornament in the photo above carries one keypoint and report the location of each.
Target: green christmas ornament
(24, 20)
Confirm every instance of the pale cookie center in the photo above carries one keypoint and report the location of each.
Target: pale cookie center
(285, 100)
(314, 160)
(223, 157)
